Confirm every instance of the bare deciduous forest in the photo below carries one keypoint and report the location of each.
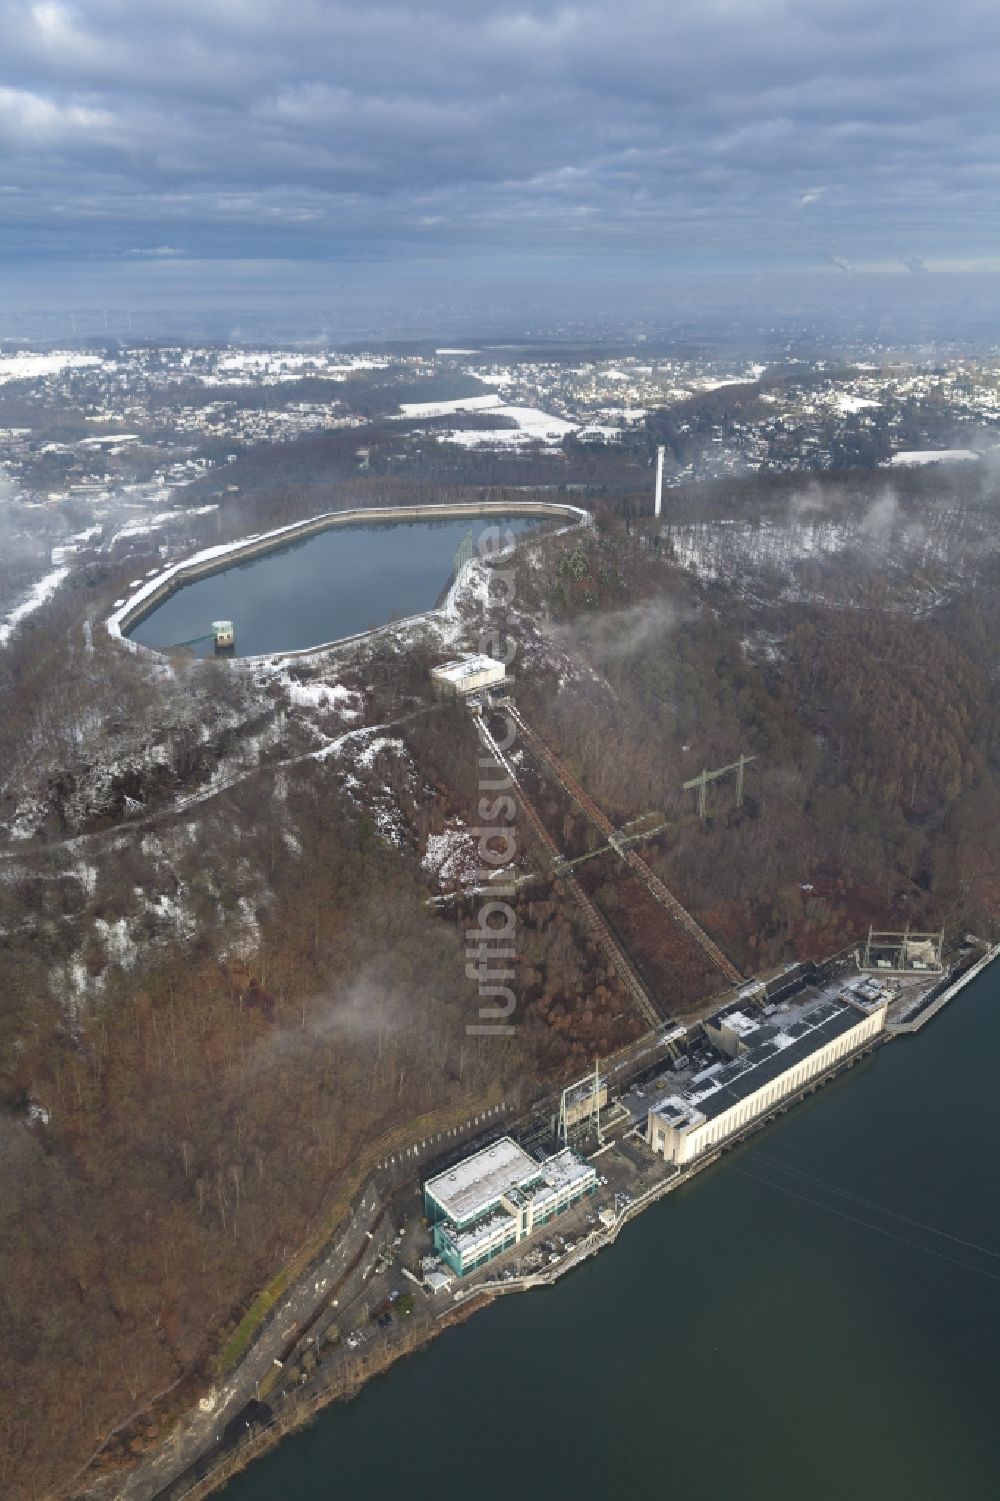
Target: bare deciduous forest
(210, 1006)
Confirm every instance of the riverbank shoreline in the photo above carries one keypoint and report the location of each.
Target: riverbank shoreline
(299, 1407)
(466, 1302)
(929, 1006)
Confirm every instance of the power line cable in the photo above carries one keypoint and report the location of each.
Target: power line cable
(871, 1204)
(877, 1229)
(898, 1187)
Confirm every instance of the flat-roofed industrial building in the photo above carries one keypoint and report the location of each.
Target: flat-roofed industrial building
(470, 674)
(770, 1059)
(497, 1197)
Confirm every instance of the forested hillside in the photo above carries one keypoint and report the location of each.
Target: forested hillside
(225, 978)
(233, 960)
(874, 732)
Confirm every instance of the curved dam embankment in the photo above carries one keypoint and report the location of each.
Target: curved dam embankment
(259, 588)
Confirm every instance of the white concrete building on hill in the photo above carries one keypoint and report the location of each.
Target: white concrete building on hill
(468, 675)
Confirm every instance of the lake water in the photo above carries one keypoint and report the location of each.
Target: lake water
(332, 584)
(815, 1317)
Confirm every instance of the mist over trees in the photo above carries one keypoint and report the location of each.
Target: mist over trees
(223, 978)
(874, 730)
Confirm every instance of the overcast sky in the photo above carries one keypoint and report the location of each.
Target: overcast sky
(180, 142)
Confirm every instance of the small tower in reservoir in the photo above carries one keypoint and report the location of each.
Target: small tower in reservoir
(225, 635)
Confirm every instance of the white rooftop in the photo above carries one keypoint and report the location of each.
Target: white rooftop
(565, 1169)
(468, 1188)
(467, 667)
(740, 1022)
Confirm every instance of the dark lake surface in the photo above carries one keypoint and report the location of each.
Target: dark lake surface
(330, 585)
(816, 1317)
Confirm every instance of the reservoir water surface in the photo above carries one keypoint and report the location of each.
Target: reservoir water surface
(815, 1317)
(332, 584)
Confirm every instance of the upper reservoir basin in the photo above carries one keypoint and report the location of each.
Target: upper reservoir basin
(332, 584)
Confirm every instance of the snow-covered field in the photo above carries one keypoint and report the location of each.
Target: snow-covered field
(272, 367)
(416, 409)
(934, 456)
(36, 366)
(626, 415)
(533, 426)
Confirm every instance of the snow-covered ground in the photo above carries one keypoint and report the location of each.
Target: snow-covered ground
(140, 526)
(375, 746)
(320, 695)
(35, 366)
(850, 405)
(40, 595)
(626, 415)
(453, 855)
(772, 554)
(732, 380)
(272, 367)
(533, 426)
(363, 751)
(447, 408)
(934, 456)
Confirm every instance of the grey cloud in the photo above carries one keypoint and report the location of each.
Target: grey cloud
(751, 132)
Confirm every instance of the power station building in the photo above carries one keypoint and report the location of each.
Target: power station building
(468, 674)
(497, 1197)
(768, 1058)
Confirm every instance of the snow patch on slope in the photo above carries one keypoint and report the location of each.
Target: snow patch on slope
(453, 856)
(40, 595)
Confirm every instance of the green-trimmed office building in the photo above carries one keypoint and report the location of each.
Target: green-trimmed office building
(495, 1199)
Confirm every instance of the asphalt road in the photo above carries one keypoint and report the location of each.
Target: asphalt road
(202, 1429)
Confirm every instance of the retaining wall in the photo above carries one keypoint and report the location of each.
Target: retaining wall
(216, 559)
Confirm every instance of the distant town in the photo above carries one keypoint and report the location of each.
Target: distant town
(325, 672)
(119, 446)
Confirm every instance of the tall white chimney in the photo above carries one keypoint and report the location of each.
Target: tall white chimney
(659, 480)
